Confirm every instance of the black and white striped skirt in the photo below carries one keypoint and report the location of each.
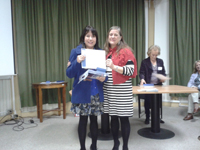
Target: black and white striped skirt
(118, 99)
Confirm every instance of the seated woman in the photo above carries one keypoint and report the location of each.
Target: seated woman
(193, 98)
(150, 67)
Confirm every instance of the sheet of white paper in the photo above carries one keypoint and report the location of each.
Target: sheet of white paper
(94, 59)
(161, 77)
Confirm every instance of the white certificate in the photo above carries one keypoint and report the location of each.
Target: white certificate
(94, 59)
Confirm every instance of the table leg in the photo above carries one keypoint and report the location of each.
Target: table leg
(155, 114)
(40, 104)
(59, 102)
(37, 102)
(155, 132)
(64, 102)
(139, 106)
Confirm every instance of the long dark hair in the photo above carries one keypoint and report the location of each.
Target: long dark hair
(94, 33)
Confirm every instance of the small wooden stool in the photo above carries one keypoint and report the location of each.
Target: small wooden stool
(58, 85)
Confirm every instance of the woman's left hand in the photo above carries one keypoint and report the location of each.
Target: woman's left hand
(101, 78)
(109, 63)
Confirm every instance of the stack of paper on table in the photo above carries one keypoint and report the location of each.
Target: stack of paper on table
(148, 90)
(49, 82)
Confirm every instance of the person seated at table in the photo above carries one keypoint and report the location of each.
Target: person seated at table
(193, 98)
(150, 67)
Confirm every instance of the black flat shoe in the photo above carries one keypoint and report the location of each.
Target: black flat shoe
(91, 148)
(161, 121)
(199, 138)
(146, 121)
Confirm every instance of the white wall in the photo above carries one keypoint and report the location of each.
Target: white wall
(161, 36)
(161, 33)
(6, 39)
(146, 27)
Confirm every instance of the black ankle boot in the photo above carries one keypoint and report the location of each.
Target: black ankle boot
(116, 146)
(146, 121)
(147, 118)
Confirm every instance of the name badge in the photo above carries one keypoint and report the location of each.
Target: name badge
(159, 68)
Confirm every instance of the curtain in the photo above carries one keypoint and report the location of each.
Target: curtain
(46, 31)
(184, 33)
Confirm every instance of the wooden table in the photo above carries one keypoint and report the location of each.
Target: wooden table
(155, 132)
(58, 85)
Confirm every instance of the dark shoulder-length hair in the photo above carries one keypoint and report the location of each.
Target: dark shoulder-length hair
(94, 33)
(122, 44)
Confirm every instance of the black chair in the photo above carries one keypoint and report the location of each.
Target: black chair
(142, 96)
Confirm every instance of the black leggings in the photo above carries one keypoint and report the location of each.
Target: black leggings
(125, 129)
(82, 127)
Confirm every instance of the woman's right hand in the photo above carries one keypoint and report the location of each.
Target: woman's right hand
(80, 58)
(142, 82)
(109, 63)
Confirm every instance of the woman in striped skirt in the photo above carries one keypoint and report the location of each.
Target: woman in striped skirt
(118, 100)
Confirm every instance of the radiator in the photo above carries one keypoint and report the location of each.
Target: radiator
(5, 95)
